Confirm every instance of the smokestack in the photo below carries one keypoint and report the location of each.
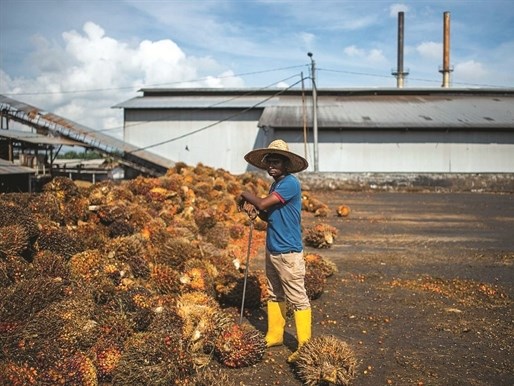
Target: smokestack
(399, 73)
(446, 70)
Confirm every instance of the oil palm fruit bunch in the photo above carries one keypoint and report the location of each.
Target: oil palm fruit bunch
(17, 374)
(13, 240)
(14, 214)
(320, 235)
(59, 240)
(37, 293)
(314, 281)
(327, 266)
(325, 360)
(229, 290)
(153, 358)
(76, 369)
(239, 345)
(212, 377)
(198, 313)
(343, 210)
(106, 356)
(132, 251)
(313, 205)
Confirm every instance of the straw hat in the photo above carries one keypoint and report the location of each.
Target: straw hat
(278, 146)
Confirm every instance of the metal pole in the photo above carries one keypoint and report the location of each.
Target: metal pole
(304, 120)
(446, 50)
(246, 271)
(314, 111)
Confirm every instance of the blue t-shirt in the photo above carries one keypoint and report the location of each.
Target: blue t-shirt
(284, 233)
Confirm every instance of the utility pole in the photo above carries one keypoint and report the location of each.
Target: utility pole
(314, 110)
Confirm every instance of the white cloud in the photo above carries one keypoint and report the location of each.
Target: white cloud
(307, 39)
(353, 51)
(470, 71)
(90, 72)
(397, 7)
(431, 50)
(373, 55)
(376, 56)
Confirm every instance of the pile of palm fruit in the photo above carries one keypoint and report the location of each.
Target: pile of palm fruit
(131, 283)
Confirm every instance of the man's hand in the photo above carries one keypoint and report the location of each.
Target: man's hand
(240, 203)
(243, 205)
(250, 210)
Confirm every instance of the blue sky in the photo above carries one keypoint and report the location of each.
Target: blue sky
(78, 58)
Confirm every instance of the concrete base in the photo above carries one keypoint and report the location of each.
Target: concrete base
(429, 182)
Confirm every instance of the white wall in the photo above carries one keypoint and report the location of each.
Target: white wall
(370, 151)
(219, 145)
(223, 145)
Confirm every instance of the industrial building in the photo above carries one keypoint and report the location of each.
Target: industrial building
(398, 130)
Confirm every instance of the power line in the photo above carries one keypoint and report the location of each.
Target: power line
(218, 122)
(410, 78)
(151, 85)
(213, 105)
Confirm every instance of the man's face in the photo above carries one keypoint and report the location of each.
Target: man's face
(276, 166)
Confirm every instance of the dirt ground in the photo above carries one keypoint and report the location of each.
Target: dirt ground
(423, 292)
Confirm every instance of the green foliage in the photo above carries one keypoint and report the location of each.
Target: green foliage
(81, 155)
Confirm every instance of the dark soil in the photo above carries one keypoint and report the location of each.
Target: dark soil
(423, 292)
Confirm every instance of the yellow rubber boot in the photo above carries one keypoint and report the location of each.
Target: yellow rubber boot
(303, 321)
(276, 323)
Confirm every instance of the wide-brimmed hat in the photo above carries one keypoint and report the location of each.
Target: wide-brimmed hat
(278, 146)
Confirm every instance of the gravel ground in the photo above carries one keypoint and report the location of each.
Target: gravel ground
(423, 292)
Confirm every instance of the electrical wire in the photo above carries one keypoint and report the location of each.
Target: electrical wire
(210, 106)
(153, 85)
(218, 122)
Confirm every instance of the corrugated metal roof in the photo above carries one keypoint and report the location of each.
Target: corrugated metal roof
(7, 167)
(196, 102)
(358, 108)
(398, 112)
(25, 136)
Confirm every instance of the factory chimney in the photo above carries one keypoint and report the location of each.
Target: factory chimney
(399, 73)
(446, 69)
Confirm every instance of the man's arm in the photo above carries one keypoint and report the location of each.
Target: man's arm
(261, 203)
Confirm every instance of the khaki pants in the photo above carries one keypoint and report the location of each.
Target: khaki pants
(286, 279)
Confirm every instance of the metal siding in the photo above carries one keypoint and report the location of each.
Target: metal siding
(357, 151)
(447, 132)
(219, 145)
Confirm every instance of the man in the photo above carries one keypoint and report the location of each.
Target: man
(285, 265)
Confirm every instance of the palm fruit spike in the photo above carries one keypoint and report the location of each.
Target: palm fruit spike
(240, 345)
(325, 360)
